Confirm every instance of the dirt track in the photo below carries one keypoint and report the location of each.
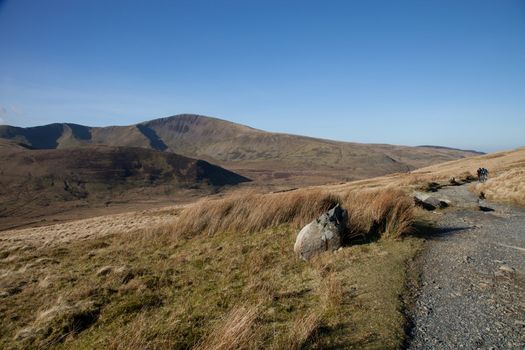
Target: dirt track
(472, 291)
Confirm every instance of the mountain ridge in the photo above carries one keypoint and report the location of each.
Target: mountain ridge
(146, 123)
(267, 156)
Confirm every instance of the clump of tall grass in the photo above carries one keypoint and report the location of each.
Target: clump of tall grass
(303, 329)
(235, 330)
(386, 213)
(381, 212)
(251, 212)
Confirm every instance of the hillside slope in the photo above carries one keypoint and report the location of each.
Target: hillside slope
(11, 145)
(506, 183)
(34, 180)
(297, 159)
(269, 157)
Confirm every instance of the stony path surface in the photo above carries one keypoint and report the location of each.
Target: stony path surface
(472, 293)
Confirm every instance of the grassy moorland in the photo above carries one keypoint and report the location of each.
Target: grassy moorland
(508, 186)
(221, 273)
(507, 175)
(200, 282)
(505, 184)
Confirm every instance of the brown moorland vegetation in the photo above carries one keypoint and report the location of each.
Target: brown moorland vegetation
(387, 211)
(508, 186)
(505, 183)
(37, 183)
(213, 284)
(221, 273)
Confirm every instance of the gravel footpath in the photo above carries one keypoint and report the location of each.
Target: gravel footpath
(472, 290)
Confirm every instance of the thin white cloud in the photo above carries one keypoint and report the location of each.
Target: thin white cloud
(3, 114)
(15, 110)
(9, 112)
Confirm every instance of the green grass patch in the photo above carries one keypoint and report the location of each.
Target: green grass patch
(176, 293)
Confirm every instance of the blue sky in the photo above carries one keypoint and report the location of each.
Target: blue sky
(441, 72)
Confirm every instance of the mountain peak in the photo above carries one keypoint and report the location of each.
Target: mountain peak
(199, 120)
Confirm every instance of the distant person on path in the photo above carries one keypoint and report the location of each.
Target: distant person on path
(483, 174)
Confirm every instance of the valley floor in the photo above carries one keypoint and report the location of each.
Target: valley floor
(472, 292)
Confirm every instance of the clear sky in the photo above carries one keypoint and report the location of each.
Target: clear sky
(439, 72)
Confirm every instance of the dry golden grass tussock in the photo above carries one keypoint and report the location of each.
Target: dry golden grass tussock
(303, 329)
(382, 212)
(412, 179)
(234, 331)
(250, 212)
(388, 213)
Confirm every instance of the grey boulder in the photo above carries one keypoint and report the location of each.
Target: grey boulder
(429, 202)
(322, 234)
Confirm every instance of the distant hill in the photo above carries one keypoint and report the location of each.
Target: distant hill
(265, 156)
(453, 149)
(31, 180)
